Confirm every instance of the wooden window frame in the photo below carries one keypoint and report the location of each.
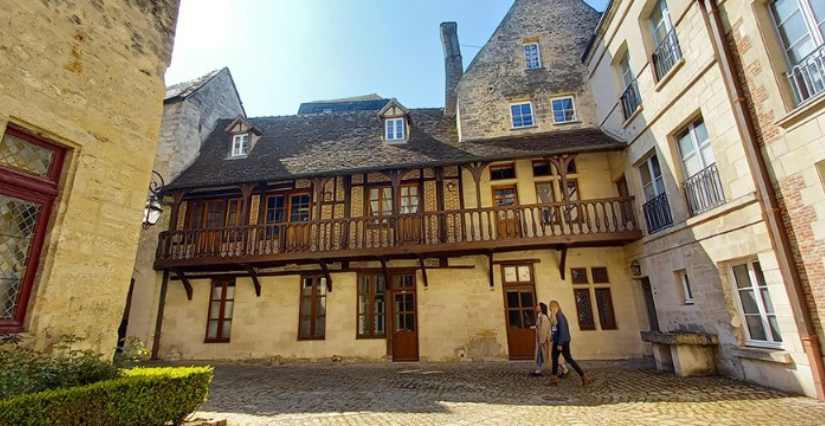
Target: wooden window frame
(542, 162)
(598, 280)
(605, 322)
(202, 207)
(514, 187)
(219, 335)
(289, 204)
(502, 167)
(577, 281)
(238, 149)
(36, 189)
(590, 323)
(370, 314)
(317, 285)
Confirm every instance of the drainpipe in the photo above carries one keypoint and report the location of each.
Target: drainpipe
(159, 321)
(771, 213)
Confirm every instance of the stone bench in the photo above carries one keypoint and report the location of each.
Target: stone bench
(686, 354)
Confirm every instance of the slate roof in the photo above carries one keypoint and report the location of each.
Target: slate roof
(302, 146)
(362, 103)
(186, 88)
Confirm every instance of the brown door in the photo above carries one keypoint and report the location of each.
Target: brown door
(409, 225)
(508, 221)
(298, 229)
(520, 310)
(404, 316)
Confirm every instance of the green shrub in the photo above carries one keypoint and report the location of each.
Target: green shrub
(140, 397)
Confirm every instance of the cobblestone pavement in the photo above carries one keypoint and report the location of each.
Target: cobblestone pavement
(626, 393)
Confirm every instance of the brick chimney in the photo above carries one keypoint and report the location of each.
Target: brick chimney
(453, 66)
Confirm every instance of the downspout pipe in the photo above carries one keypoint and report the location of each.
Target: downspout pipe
(771, 213)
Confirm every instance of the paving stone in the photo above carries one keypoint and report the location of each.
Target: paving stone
(623, 393)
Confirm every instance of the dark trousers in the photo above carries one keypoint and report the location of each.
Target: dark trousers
(565, 352)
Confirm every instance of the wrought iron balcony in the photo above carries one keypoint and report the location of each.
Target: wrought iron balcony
(703, 190)
(666, 55)
(589, 222)
(807, 77)
(631, 100)
(657, 213)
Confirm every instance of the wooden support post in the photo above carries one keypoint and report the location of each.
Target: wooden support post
(325, 269)
(563, 261)
(476, 168)
(348, 210)
(246, 193)
(423, 271)
(318, 185)
(186, 284)
(439, 200)
(255, 281)
(177, 199)
(390, 313)
(490, 268)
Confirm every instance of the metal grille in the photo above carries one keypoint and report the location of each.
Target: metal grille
(666, 55)
(18, 220)
(600, 275)
(25, 156)
(807, 77)
(704, 190)
(631, 100)
(578, 275)
(657, 213)
(604, 304)
(584, 309)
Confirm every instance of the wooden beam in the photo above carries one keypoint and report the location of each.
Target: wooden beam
(563, 262)
(476, 168)
(390, 313)
(255, 281)
(325, 270)
(177, 199)
(186, 284)
(423, 271)
(516, 262)
(490, 267)
(385, 270)
(230, 274)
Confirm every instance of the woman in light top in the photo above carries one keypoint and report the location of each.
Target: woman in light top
(542, 337)
(561, 345)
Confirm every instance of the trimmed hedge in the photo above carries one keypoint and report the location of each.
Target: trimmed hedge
(140, 397)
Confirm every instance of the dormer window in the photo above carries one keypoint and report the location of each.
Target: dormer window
(240, 145)
(395, 129)
(532, 56)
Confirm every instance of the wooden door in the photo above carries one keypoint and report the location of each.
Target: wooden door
(404, 316)
(519, 310)
(298, 229)
(409, 228)
(507, 225)
(650, 303)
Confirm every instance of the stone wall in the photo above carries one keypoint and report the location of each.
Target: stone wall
(498, 75)
(88, 76)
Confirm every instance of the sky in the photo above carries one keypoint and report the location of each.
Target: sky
(284, 52)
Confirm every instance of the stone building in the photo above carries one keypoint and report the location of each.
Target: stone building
(190, 112)
(364, 229)
(707, 171)
(81, 85)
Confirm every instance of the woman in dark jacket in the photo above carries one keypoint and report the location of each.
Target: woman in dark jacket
(561, 345)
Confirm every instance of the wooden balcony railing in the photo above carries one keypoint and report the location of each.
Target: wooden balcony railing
(608, 220)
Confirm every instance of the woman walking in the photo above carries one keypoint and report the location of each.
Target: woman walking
(542, 337)
(561, 345)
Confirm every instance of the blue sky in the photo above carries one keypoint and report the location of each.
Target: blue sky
(284, 52)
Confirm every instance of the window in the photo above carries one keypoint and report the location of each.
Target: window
(800, 25)
(532, 56)
(631, 99)
(522, 114)
(564, 110)
(25, 208)
(683, 283)
(541, 168)
(371, 306)
(503, 171)
(703, 188)
(275, 209)
(600, 275)
(604, 305)
(395, 129)
(667, 51)
(584, 309)
(409, 199)
(755, 305)
(240, 145)
(313, 308)
(579, 275)
(505, 196)
(584, 304)
(656, 208)
(381, 200)
(215, 213)
(221, 308)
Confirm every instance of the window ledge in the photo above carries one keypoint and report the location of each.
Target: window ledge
(524, 127)
(396, 141)
(633, 116)
(669, 74)
(778, 356)
(802, 111)
(236, 157)
(567, 122)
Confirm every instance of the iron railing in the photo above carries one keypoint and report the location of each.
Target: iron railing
(666, 55)
(703, 190)
(631, 99)
(657, 213)
(807, 77)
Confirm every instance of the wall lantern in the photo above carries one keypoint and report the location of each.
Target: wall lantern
(154, 202)
(636, 268)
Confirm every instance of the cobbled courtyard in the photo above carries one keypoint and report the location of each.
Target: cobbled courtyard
(623, 393)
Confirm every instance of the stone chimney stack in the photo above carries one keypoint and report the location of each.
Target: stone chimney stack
(453, 66)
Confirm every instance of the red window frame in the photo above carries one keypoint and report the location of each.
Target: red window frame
(42, 190)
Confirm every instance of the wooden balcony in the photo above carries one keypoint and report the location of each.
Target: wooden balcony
(603, 222)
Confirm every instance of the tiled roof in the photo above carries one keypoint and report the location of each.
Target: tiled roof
(186, 88)
(361, 103)
(351, 142)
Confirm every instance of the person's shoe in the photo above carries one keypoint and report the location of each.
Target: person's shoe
(564, 373)
(586, 380)
(554, 380)
(536, 373)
